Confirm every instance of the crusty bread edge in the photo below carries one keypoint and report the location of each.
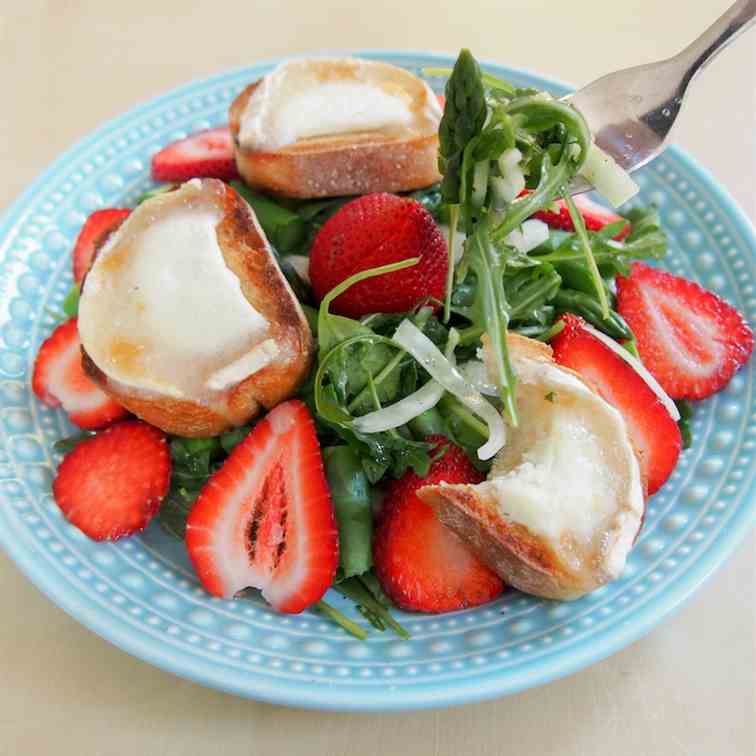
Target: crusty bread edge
(520, 558)
(336, 167)
(247, 253)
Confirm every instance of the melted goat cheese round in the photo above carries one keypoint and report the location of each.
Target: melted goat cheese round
(568, 464)
(305, 99)
(161, 311)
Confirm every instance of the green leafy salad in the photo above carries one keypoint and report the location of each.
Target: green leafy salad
(381, 384)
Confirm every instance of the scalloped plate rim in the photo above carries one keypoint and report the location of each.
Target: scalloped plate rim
(551, 666)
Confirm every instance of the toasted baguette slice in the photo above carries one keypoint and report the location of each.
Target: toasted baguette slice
(185, 317)
(331, 127)
(564, 501)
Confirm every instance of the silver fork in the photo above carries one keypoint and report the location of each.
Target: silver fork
(631, 112)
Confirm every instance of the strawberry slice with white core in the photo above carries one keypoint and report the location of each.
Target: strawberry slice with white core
(265, 519)
(690, 340)
(59, 380)
(206, 154)
(655, 435)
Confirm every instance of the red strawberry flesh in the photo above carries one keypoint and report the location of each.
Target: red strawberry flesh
(99, 225)
(422, 565)
(691, 340)
(112, 485)
(595, 216)
(655, 435)
(206, 154)
(265, 519)
(59, 379)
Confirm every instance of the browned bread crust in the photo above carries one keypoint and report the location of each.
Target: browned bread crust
(521, 558)
(336, 166)
(247, 254)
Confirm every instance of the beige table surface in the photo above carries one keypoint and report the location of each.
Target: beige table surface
(687, 688)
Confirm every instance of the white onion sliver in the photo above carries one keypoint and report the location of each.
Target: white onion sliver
(639, 368)
(413, 340)
(509, 159)
(401, 412)
(476, 374)
(531, 234)
(607, 177)
(513, 179)
(411, 406)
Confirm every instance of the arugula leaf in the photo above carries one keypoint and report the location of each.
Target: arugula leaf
(65, 445)
(286, 230)
(529, 291)
(645, 241)
(71, 301)
(230, 439)
(150, 193)
(582, 235)
(193, 461)
(490, 310)
(357, 366)
(647, 238)
(430, 423)
(430, 198)
(335, 328)
(317, 212)
(686, 415)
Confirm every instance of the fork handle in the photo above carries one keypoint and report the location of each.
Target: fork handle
(731, 24)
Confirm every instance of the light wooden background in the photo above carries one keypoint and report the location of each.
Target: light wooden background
(687, 688)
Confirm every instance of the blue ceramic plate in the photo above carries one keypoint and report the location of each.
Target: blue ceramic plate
(141, 593)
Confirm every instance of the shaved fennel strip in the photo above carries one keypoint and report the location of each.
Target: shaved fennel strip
(607, 177)
(406, 409)
(401, 412)
(415, 342)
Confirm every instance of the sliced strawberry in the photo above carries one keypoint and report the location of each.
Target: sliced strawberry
(112, 484)
(95, 229)
(265, 519)
(206, 154)
(691, 341)
(655, 435)
(59, 379)
(595, 216)
(373, 230)
(422, 565)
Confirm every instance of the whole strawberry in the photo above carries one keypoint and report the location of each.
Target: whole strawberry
(375, 230)
(421, 564)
